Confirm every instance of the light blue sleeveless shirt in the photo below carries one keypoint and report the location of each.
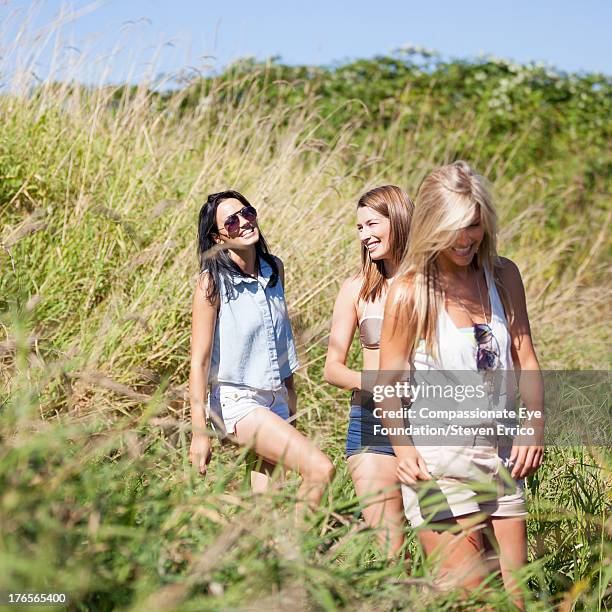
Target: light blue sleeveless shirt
(253, 343)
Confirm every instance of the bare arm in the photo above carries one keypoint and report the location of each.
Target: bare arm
(289, 381)
(204, 316)
(395, 347)
(344, 323)
(528, 456)
(395, 343)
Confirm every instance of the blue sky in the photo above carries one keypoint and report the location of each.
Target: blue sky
(126, 38)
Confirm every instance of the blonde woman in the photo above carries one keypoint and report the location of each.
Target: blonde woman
(383, 223)
(457, 311)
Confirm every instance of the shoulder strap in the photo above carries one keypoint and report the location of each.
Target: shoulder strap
(497, 307)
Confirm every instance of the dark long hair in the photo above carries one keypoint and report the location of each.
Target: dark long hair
(215, 259)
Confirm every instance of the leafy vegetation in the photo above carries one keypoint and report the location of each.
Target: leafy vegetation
(99, 194)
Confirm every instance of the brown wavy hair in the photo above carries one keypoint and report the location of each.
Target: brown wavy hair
(394, 204)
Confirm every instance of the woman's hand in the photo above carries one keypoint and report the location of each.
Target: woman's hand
(527, 458)
(200, 452)
(411, 466)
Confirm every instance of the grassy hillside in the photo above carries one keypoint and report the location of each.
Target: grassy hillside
(99, 194)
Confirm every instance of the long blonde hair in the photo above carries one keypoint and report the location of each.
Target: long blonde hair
(394, 204)
(447, 201)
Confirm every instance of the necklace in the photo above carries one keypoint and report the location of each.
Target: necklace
(467, 312)
(484, 314)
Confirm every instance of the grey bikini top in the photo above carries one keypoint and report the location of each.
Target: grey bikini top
(370, 328)
(369, 331)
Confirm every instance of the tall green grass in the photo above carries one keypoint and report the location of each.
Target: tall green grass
(99, 193)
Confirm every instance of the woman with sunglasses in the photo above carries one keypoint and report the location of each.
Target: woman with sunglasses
(383, 223)
(456, 314)
(242, 346)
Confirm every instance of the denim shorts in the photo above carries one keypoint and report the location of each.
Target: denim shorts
(229, 403)
(360, 437)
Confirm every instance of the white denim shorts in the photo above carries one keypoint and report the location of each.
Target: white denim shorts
(465, 480)
(227, 404)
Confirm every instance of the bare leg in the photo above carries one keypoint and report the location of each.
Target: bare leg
(376, 484)
(261, 475)
(511, 535)
(459, 550)
(277, 441)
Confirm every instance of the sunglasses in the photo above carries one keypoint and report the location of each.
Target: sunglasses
(487, 358)
(232, 223)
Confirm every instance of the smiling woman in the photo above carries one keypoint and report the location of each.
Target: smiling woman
(242, 346)
(457, 312)
(383, 224)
